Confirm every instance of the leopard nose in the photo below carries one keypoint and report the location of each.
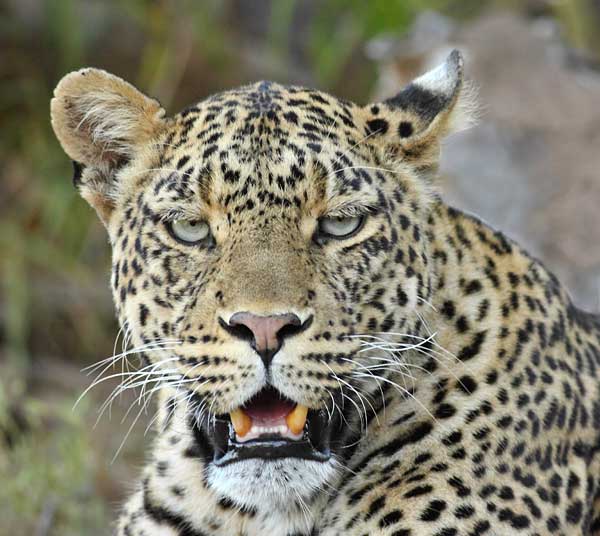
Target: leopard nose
(266, 333)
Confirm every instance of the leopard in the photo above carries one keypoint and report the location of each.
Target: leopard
(333, 349)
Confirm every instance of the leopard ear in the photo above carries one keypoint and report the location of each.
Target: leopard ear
(413, 122)
(101, 122)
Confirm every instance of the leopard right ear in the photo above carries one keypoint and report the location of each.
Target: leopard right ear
(413, 123)
(101, 122)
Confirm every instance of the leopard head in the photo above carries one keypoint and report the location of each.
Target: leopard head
(261, 238)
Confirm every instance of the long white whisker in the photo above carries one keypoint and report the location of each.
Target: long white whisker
(401, 390)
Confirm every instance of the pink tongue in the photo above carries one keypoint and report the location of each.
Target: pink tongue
(268, 407)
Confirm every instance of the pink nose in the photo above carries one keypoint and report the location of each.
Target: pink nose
(266, 331)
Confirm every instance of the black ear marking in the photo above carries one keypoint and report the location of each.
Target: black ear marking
(420, 101)
(405, 129)
(434, 93)
(77, 172)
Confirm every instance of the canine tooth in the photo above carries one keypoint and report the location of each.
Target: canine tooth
(296, 419)
(241, 422)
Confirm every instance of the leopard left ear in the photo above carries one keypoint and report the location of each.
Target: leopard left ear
(413, 122)
(102, 122)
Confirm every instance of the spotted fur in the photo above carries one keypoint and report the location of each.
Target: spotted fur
(465, 381)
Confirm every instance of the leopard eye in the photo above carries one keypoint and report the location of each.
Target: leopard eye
(343, 227)
(189, 231)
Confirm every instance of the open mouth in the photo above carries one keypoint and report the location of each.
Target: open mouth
(271, 426)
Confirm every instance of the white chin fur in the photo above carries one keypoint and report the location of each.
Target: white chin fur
(270, 484)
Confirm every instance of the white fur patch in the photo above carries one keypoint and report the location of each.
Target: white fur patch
(278, 488)
(445, 79)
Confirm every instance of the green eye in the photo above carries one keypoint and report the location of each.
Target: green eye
(189, 231)
(340, 227)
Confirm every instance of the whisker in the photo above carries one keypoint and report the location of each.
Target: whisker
(363, 418)
(402, 391)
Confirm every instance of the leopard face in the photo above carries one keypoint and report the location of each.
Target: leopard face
(259, 238)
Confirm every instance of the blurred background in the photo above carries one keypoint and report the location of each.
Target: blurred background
(531, 167)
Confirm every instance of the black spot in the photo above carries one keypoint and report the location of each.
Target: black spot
(389, 519)
(473, 287)
(553, 524)
(448, 309)
(454, 438)
(433, 511)
(375, 506)
(481, 527)
(143, 314)
(183, 161)
(467, 384)
(459, 486)
(574, 512)
(445, 411)
(517, 521)
(464, 511)
(418, 491)
(401, 296)
(470, 351)
(377, 126)
(291, 117)
(462, 325)
(405, 129)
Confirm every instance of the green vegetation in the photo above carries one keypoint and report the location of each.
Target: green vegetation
(48, 478)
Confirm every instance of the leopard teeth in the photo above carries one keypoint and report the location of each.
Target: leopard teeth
(242, 423)
(297, 419)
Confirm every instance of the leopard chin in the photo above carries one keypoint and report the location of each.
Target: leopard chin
(281, 484)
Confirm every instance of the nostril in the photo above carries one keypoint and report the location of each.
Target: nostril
(293, 328)
(239, 331)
